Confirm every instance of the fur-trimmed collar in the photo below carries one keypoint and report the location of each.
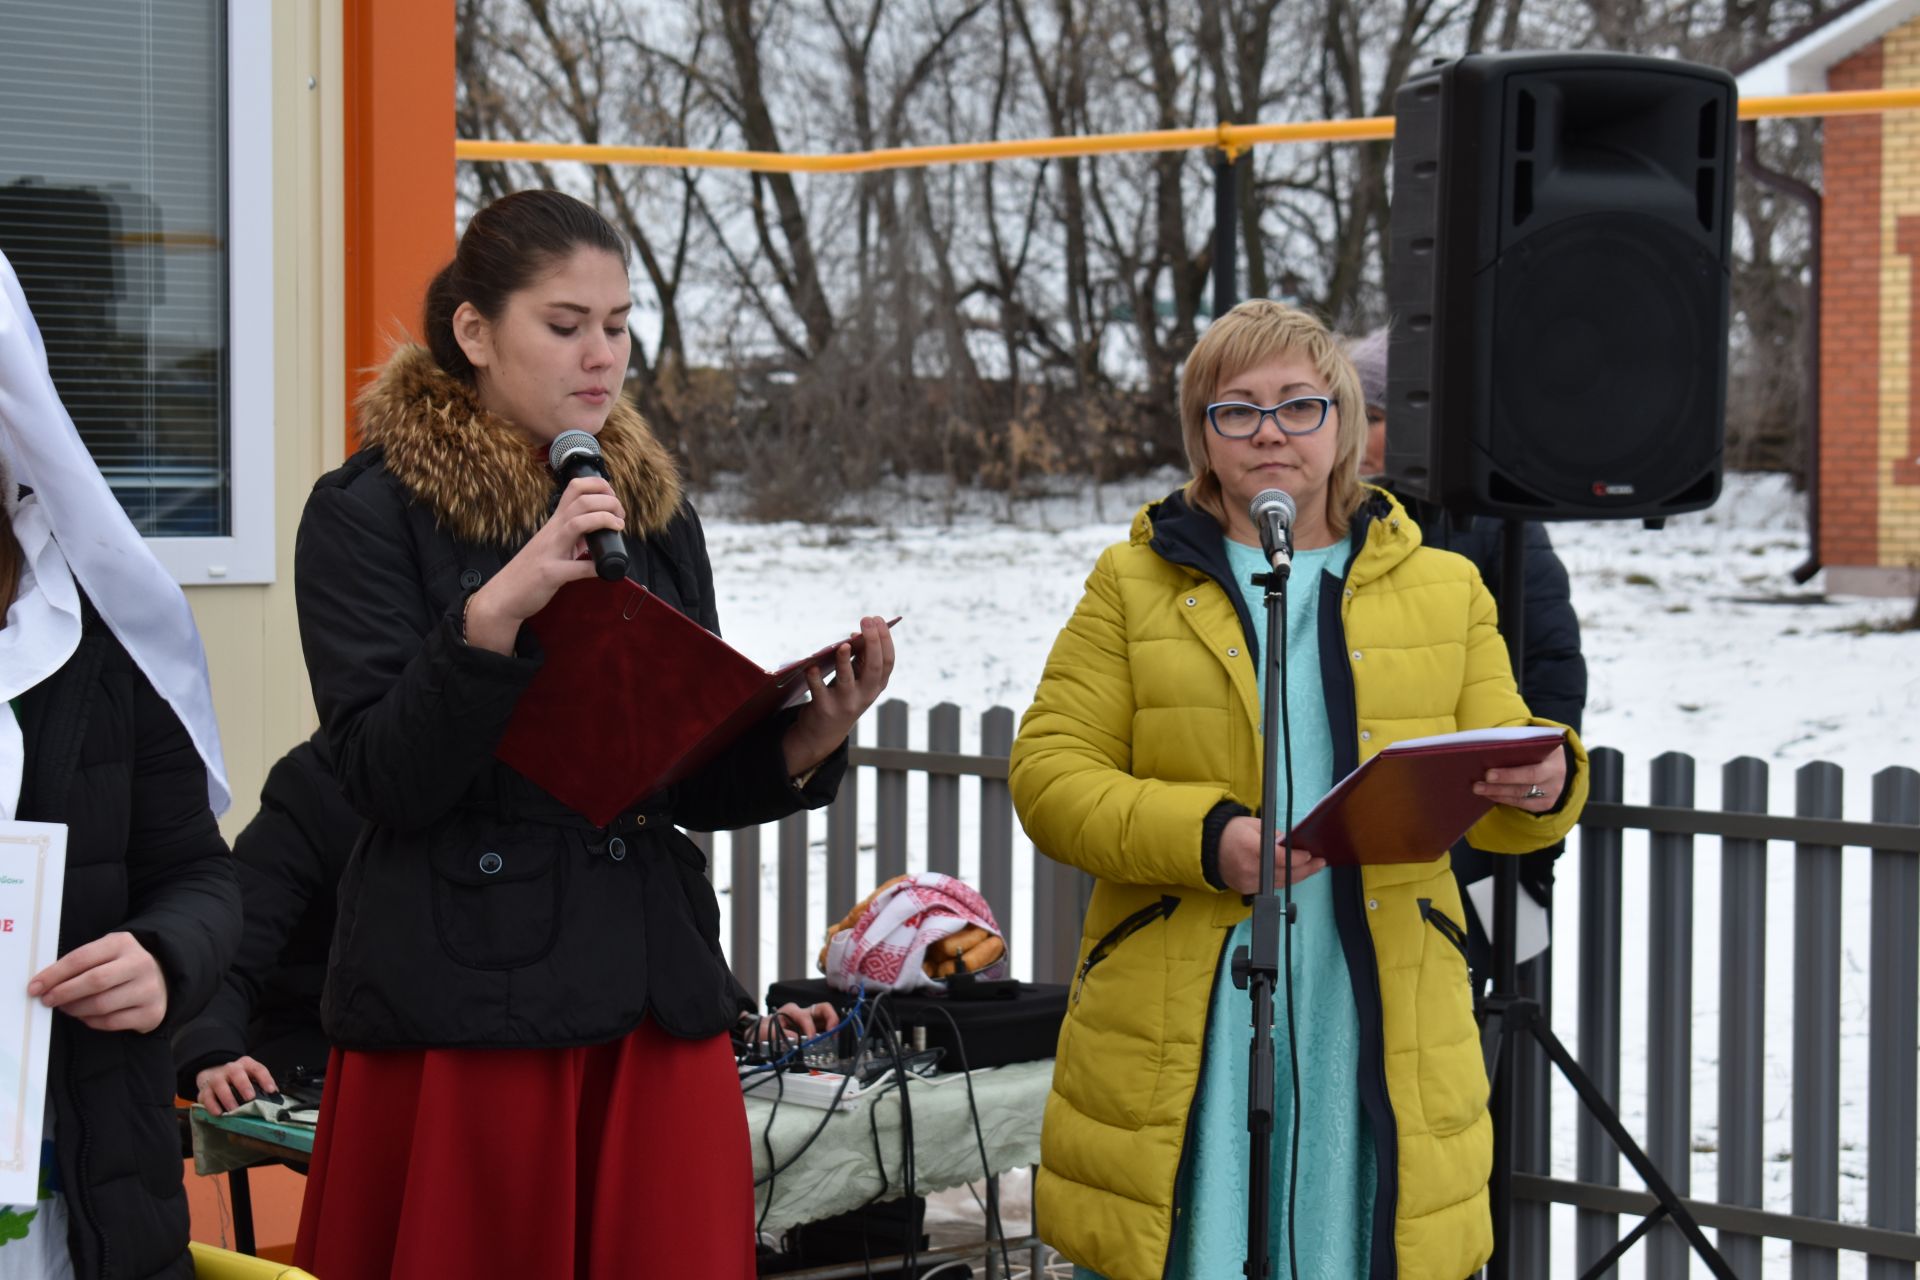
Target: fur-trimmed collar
(478, 475)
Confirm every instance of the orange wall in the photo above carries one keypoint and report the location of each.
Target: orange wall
(399, 171)
(276, 1209)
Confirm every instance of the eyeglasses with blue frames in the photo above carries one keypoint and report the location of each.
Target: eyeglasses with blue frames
(1300, 416)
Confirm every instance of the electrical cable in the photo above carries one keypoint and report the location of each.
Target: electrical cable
(994, 1228)
(772, 1068)
(890, 1030)
(800, 1046)
(825, 1115)
(1286, 933)
(766, 1140)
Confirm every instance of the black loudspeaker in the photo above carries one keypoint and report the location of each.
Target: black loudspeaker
(1558, 276)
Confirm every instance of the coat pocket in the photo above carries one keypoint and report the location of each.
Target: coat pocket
(149, 1129)
(1119, 933)
(497, 891)
(1112, 1044)
(1452, 1076)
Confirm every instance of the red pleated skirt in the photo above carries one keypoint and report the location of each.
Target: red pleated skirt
(622, 1159)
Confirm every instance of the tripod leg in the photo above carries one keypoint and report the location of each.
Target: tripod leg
(1619, 1250)
(1599, 1109)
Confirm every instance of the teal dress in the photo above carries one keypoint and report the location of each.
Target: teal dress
(1337, 1177)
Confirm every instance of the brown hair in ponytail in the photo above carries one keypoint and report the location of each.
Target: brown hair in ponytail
(505, 246)
(10, 558)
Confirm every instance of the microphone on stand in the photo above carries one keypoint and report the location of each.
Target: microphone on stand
(575, 454)
(1272, 511)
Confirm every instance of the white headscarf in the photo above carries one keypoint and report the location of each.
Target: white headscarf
(135, 596)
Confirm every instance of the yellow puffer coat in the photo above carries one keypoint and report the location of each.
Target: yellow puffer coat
(1147, 718)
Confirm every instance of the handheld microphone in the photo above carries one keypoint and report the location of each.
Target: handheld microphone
(575, 454)
(1272, 511)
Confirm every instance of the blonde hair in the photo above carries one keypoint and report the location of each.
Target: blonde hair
(1256, 331)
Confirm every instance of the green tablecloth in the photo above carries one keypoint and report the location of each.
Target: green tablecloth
(235, 1142)
(839, 1171)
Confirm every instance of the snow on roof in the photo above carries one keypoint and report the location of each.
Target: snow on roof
(1800, 64)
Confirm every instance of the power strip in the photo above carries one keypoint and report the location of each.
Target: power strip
(811, 1088)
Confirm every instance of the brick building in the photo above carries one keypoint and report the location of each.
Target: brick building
(1869, 424)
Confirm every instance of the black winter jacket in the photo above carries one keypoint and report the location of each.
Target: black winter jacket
(290, 858)
(478, 910)
(108, 757)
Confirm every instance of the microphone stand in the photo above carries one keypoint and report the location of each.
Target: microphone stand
(1257, 967)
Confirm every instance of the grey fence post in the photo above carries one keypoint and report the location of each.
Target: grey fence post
(790, 949)
(943, 793)
(1532, 1252)
(890, 793)
(1057, 948)
(1893, 1010)
(1743, 988)
(1670, 1009)
(745, 955)
(996, 824)
(843, 842)
(1816, 1020)
(1070, 908)
(1595, 1158)
(1044, 952)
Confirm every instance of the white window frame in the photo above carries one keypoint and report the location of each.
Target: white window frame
(246, 554)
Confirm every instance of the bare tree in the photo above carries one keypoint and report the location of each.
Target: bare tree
(1001, 320)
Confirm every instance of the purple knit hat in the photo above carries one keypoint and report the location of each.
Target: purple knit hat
(1369, 356)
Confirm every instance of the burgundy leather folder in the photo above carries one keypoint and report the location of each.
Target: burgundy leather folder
(1410, 802)
(633, 695)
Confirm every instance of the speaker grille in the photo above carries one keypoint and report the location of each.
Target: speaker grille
(1607, 353)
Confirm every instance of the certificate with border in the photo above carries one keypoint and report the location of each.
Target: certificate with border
(33, 867)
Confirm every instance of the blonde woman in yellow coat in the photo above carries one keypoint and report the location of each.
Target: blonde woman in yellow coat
(1139, 761)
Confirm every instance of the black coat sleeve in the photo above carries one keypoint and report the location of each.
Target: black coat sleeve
(1554, 680)
(182, 894)
(411, 711)
(1553, 676)
(747, 783)
(285, 866)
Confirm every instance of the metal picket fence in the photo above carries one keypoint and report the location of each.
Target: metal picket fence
(1825, 848)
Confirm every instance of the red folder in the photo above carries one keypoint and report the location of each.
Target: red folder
(1415, 798)
(633, 695)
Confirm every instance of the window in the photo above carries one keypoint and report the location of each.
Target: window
(135, 203)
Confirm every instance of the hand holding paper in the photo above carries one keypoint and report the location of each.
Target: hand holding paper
(1533, 787)
(111, 984)
(826, 720)
(1240, 858)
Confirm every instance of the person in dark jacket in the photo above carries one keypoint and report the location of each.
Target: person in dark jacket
(1553, 675)
(532, 1073)
(106, 727)
(263, 1025)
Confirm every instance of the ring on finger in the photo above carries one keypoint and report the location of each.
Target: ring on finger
(1535, 793)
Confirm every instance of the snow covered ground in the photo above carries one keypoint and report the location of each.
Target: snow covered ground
(1697, 640)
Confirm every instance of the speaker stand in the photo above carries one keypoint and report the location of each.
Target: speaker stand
(1506, 1016)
